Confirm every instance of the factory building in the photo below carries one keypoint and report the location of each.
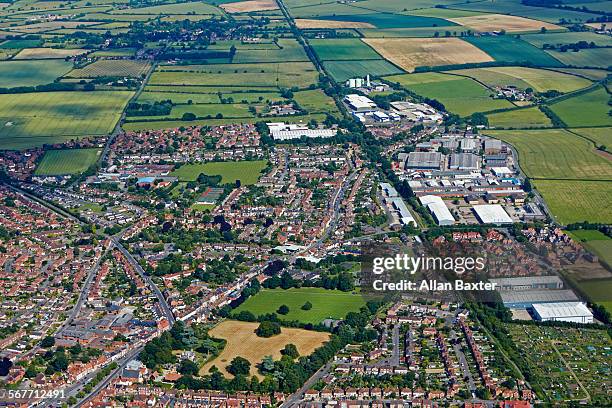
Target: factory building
(575, 312)
(492, 146)
(492, 214)
(438, 209)
(425, 161)
(525, 299)
(527, 283)
(359, 103)
(464, 161)
(404, 214)
(289, 131)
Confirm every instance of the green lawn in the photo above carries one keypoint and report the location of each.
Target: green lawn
(587, 109)
(67, 161)
(325, 303)
(247, 172)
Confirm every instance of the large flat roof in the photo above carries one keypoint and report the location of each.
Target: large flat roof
(538, 296)
(527, 280)
(562, 309)
(492, 214)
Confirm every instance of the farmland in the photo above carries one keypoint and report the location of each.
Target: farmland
(326, 304)
(556, 154)
(519, 118)
(247, 172)
(601, 245)
(498, 22)
(47, 53)
(242, 341)
(459, 95)
(586, 109)
(121, 68)
(342, 70)
(577, 200)
(31, 73)
(343, 49)
(68, 161)
(600, 136)
(59, 115)
(592, 57)
(511, 49)
(408, 53)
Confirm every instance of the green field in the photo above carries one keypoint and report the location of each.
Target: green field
(556, 154)
(178, 97)
(404, 32)
(586, 109)
(31, 73)
(326, 304)
(507, 48)
(343, 70)
(343, 49)
(384, 20)
(67, 161)
(178, 8)
(519, 118)
(112, 68)
(459, 95)
(58, 116)
(287, 50)
(592, 57)
(600, 290)
(569, 37)
(577, 200)
(600, 136)
(247, 172)
(315, 101)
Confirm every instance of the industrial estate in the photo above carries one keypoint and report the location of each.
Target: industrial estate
(193, 195)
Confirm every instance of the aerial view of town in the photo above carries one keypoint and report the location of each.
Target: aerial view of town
(306, 203)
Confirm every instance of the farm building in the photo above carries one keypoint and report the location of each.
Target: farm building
(492, 214)
(424, 160)
(438, 209)
(528, 282)
(575, 312)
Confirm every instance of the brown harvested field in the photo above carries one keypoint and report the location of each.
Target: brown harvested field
(242, 341)
(47, 53)
(251, 5)
(497, 22)
(409, 53)
(310, 23)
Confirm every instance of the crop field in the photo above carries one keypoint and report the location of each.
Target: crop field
(59, 115)
(326, 304)
(113, 68)
(195, 7)
(382, 20)
(287, 50)
(556, 154)
(497, 22)
(301, 74)
(178, 97)
(600, 290)
(510, 49)
(519, 118)
(409, 53)
(47, 53)
(249, 5)
(459, 95)
(404, 32)
(538, 79)
(114, 52)
(315, 101)
(577, 201)
(242, 341)
(20, 44)
(568, 37)
(592, 57)
(306, 23)
(31, 73)
(66, 161)
(343, 70)
(343, 49)
(600, 136)
(247, 172)
(587, 109)
(209, 110)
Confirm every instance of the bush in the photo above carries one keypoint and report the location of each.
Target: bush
(283, 309)
(307, 306)
(239, 366)
(268, 329)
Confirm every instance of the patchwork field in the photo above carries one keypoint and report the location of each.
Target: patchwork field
(519, 118)
(67, 161)
(47, 53)
(498, 22)
(587, 109)
(408, 53)
(404, 32)
(113, 68)
(247, 172)
(557, 154)
(31, 73)
(508, 48)
(242, 341)
(326, 304)
(58, 115)
(459, 95)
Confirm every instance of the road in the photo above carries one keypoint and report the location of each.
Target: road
(296, 397)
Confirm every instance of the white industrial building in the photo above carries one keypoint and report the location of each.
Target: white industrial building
(360, 103)
(404, 214)
(438, 209)
(492, 214)
(389, 190)
(289, 131)
(575, 312)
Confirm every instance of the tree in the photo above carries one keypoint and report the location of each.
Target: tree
(283, 309)
(268, 329)
(307, 306)
(188, 367)
(291, 351)
(239, 366)
(189, 116)
(267, 364)
(47, 342)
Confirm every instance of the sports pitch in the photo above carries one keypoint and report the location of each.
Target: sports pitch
(248, 172)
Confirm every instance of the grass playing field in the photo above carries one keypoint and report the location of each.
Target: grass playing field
(31, 73)
(519, 118)
(242, 341)
(67, 161)
(409, 53)
(326, 304)
(459, 95)
(246, 171)
(556, 154)
(587, 109)
(58, 115)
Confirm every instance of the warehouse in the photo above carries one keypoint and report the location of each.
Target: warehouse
(492, 214)
(528, 282)
(438, 209)
(575, 312)
(492, 146)
(464, 161)
(525, 299)
(389, 190)
(289, 131)
(404, 214)
(359, 103)
(424, 161)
